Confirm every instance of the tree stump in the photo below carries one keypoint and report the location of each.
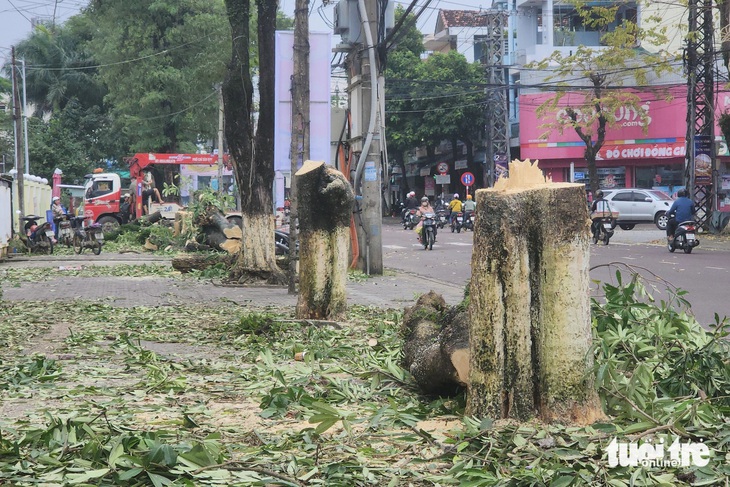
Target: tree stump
(530, 322)
(325, 200)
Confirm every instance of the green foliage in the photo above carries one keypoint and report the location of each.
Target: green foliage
(206, 198)
(655, 363)
(211, 395)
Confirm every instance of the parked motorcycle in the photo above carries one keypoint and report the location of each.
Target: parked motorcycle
(65, 230)
(457, 223)
(38, 238)
(428, 232)
(411, 219)
(468, 223)
(602, 229)
(684, 238)
(87, 236)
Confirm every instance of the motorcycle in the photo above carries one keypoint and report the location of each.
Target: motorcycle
(428, 232)
(87, 236)
(37, 237)
(602, 229)
(65, 232)
(684, 238)
(410, 219)
(468, 223)
(457, 223)
(442, 218)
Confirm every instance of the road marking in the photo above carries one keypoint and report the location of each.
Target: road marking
(463, 244)
(715, 268)
(394, 247)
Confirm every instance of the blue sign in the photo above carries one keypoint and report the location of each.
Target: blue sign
(577, 175)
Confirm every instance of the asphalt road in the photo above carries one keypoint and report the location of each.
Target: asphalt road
(704, 274)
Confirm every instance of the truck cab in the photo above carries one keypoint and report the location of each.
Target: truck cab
(102, 199)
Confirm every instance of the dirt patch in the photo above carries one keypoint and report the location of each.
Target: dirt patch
(50, 341)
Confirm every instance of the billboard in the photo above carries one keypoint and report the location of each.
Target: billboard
(319, 94)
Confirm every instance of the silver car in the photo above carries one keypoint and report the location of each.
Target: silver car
(636, 205)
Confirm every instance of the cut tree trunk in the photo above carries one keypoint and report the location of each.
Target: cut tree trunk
(190, 262)
(325, 207)
(436, 347)
(530, 322)
(220, 233)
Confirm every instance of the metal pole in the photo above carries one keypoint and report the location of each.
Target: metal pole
(25, 122)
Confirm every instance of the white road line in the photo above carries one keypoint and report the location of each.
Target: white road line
(394, 247)
(715, 268)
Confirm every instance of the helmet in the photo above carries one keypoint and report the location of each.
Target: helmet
(55, 198)
(468, 196)
(456, 195)
(598, 194)
(127, 195)
(412, 193)
(424, 199)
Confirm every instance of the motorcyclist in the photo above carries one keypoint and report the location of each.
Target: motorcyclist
(410, 204)
(682, 210)
(422, 210)
(599, 208)
(455, 207)
(469, 204)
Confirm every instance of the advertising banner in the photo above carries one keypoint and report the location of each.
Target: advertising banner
(703, 159)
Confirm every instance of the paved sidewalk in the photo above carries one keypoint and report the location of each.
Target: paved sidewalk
(393, 290)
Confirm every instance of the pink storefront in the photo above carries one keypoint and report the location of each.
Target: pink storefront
(630, 156)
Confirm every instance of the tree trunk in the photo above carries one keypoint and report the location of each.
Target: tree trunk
(300, 142)
(190, 262)
(530, 323)
(325, 208)
(253, 159)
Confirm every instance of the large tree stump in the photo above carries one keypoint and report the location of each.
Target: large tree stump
(324, 207)
(530, 322)
(219, 232)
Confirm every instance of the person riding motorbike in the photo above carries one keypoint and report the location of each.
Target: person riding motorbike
(469, 204)
(410, 204)
(422, 210)
(682, 210)
(598, 208)
(455, 207)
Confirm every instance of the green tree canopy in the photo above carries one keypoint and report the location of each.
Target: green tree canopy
(605, 73)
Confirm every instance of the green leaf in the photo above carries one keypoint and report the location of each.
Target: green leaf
(159, 480)
(563, 481)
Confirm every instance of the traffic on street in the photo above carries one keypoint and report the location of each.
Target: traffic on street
(704, 274)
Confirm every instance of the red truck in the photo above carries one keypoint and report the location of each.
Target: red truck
(103, 191)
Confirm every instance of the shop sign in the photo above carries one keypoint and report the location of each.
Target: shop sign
(643, 151)
(460, 164)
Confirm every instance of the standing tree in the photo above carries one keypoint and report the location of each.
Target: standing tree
(606, 73)
(253, 155)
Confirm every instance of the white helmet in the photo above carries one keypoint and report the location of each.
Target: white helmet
(55, 198)
(456, 195)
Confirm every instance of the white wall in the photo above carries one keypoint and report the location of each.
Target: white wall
(6, 216)
(37, 196)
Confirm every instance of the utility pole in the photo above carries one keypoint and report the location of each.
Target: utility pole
(498, 120)
(363, 88)
(300, 142)
(25, 121)
(699, 65)
(220, 138)
(16, 123)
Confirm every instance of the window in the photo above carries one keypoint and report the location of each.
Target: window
(622, 196)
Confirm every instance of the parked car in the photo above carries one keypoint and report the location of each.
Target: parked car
(636, 205)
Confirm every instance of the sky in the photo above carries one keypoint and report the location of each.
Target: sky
(16, 16)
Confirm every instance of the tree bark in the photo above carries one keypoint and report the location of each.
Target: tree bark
(530, 323)
(190, 262)
(300, 142)
(253, 157)
(325, 208)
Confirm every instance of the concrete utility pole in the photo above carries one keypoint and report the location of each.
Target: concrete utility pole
(365, 103)
(16, 123)
(219, 86)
